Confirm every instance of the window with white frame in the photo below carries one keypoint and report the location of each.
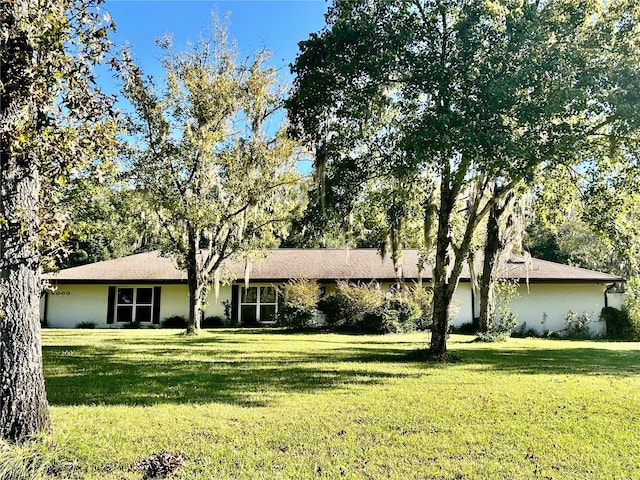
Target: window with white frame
(134, 304)
(258, 304)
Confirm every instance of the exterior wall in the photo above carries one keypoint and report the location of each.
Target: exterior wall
(556, 300)
(215, 307)
(616, 300)
(70, 305)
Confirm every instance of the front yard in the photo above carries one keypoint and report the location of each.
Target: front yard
(266, 404)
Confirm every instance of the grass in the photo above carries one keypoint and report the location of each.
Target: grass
(263, 404)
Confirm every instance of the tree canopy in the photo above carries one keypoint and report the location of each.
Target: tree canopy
(460, 96)
(211, 157)
(54, 123)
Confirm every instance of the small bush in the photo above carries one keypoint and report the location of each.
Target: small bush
(334, 308)
(617, 322)
(131, 325)
(299, 303)
(212, 322)
(577, 326)
(523, 331)
(175, 321)
(468, 328)
(423, 298)
(631, 308)
(86, 325)
(397, 314)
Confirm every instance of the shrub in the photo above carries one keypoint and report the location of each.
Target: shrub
(334, 308)
(86, 325)
(617, 322)
(212, 322)
(577, 326)
(396, 314)
(423, 298)
(299, 303)
(175, 321)
(631, 308)
(360, 300)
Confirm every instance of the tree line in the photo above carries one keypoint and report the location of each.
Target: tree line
(468, 130)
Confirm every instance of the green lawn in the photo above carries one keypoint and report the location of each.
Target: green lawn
(264, 404)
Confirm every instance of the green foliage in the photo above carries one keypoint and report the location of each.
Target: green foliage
(334, 308)
(506, 291)
(36, 459)
(174, 321)
(213, 322)
(631, 308)
(366, 308)
(211, 157)
(86, 325)
(482, 93)
(260, 404)
(617, 322)
(577, 326)
(423, 298)
(396, 315)
(300, 302)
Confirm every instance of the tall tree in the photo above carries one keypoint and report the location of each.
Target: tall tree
(211, 159)
(52, 122)
(481, 92)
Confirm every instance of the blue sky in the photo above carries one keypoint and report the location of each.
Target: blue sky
(277, 25)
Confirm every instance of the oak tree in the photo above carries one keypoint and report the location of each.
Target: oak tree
(53, 123)
(211, 155)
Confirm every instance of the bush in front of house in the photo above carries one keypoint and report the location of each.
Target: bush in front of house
(423, 298)
(86, 325)
(577, 326)
(631, 308)
(300, 299)
(174, 321)
(396, 314)
(350, 304)
(617, 322)
(366, 308)
(213, 321)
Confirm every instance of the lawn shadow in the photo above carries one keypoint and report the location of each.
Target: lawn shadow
(568, 361)
(110, 375)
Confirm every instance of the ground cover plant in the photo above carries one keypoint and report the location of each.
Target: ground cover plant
(267, 404)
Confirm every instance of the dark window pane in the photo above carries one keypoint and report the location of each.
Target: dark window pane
(248, 314)
(267, 295)
(125, 296)
(249, 295)
(125, 314)
(143, 313)
(144, 296)
(267, 313)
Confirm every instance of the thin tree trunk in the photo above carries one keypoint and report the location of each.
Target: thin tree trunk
(441, 288)
(195, 284)
(494, 247)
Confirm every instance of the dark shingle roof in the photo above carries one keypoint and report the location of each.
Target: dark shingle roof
(320, 264)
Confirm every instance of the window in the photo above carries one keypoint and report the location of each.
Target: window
(258, 304)
(134, 305)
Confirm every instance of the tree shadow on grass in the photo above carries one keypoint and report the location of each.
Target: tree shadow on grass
(85, 375)
(567, 361)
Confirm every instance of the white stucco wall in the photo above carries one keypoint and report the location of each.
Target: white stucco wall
(556, 300)
(70, 305)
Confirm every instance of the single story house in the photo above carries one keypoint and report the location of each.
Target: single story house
(148, 288)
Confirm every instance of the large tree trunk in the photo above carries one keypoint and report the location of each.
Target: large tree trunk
(23, 402)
